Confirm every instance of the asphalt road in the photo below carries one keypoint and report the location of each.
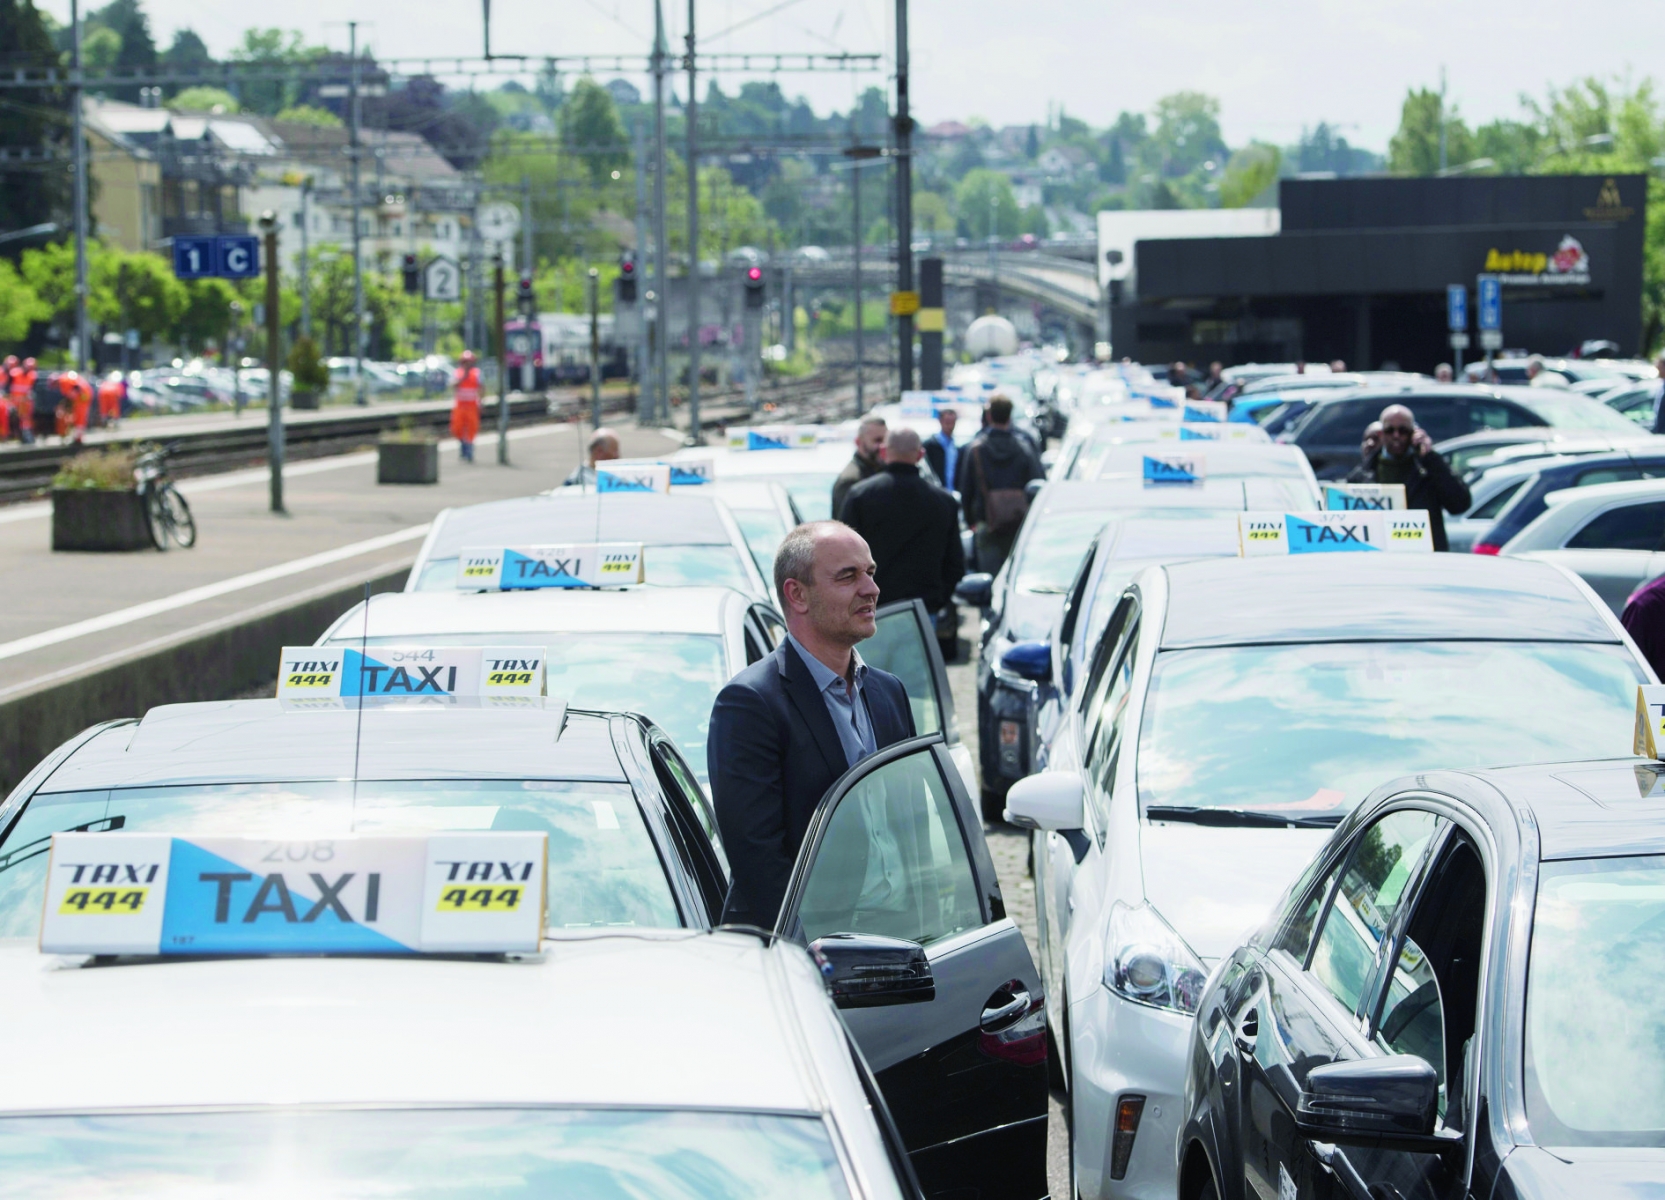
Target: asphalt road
(1010, 849)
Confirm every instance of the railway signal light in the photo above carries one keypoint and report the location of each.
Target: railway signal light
(754, 287)
(624, 288)
(412, 274)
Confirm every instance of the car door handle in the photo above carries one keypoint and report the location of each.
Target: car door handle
(1248, 1031)
(998, 1017)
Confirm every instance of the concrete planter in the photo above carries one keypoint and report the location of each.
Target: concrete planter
(407, 462)
(87, 519)
(306, 400)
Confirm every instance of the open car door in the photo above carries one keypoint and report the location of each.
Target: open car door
(895, 895)
(905, 644)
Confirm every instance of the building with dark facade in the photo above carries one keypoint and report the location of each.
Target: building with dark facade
(1360, 268)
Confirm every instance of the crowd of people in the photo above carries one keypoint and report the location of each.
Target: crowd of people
(62, 400)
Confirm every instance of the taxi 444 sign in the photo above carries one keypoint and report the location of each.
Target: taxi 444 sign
(330, 673)
(1367, 531)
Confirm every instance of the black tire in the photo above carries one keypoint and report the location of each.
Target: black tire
(1207, 1191)
(182, 526)
(156, 518)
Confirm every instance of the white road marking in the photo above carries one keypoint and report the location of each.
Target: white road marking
(236, 583)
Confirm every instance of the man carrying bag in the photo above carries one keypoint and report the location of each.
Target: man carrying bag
(997, 466)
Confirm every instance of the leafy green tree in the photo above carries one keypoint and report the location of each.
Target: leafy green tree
(100, 48)
(274, 48)
(205, 99)
(1187, 133)
(138, 49)
(1250, 172)
(206, 319)
(307, 114)
(932, 216)
(20, 307)
(1415, 147)
(187, 52)
(589, 125)
(985, 197)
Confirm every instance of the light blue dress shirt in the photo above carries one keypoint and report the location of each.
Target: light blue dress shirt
(846, 705)
(950, 458)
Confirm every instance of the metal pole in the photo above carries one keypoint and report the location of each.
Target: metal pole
(306, 291)
(528, 373)
(502, 371)
(644, 366)
(855, 251)
(360, 395)
(661, 352)
(274, 396)
(595, 348)
(80, 189)
(695, 435)
(904, 198)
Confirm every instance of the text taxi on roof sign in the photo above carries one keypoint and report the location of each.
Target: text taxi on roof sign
(508, 568)
(682, 472)
(316, 673)
(774, 437)
(1340, 497)
(1354, 531)
(1164, 469)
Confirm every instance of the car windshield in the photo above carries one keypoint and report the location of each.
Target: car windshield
(764, 531)
(703, 565)
(422, 1154)
(813, 493)
(1309, 730)
(603, 868)
(670, 678)
(1579, 412)
(1595, 1023)
(1053, 550)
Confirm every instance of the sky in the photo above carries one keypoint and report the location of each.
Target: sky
(1275, 68)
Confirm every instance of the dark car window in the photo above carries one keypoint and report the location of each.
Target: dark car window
(1340, 423)
(1598, 475)
(1496, 414)
(1633, 527)
(1295, 932)
(1492, 507)
(1444, 418)
(1383, 864)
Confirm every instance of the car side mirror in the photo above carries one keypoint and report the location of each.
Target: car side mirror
(1050, 801)
(976, 589)
(1369, 1098)
(1029, 660)
(1033, 488)
(867, 970)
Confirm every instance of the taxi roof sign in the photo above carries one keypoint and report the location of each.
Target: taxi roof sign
(1368, 532)
(1161, 470)
(1341, 497)
(333, 673)
(520, 568)
(617, 476)
(1214, 431)
(157, 893)
(1649, 739)
(774, 437)
(684, 472)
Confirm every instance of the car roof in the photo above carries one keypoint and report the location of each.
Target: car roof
(428, 615)
(1602, 808)
(674, 520)
(263, 741)
(1375, 597)
(1278, 459)
(1597, 494)
(826, 457)
(587, 1021)
(1077, 495)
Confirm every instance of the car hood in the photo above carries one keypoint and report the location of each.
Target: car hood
(1621, 1172)
(1030, 616)
(1216, 885)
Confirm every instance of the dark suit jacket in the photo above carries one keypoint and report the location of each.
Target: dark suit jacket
(773, 753)
(912, 526)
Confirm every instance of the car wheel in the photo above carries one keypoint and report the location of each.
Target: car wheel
(1207, 1190)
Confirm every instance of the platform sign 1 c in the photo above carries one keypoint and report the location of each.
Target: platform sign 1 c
(232, 256)
(194, 257)
(1456, 308)
(239, 257)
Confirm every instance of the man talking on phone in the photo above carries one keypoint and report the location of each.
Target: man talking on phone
(1407, 456)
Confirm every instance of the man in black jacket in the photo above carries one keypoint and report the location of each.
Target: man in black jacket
(785, 728)
(864, 463)
(993, 471)
(1407, 456)
(911, 526)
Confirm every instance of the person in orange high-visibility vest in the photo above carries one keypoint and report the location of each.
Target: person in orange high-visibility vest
(110, 394)
(465, 409)
(7, 369)
(75, 406)
(22, 389)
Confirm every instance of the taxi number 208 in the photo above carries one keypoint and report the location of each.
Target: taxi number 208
(480, 899)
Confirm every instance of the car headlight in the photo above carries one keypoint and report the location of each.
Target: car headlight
(1149, 963)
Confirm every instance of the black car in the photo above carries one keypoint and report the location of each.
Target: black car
(1459, 998)
(1526, 503)
(894, 884)
(1330, 431)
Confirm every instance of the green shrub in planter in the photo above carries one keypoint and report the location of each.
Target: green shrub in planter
(310, 375)
(95, 505)
(408, 454)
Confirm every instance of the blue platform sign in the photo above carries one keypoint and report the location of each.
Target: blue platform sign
(1456, 308)
(1491, 302)
(239, 257)
(195, 257)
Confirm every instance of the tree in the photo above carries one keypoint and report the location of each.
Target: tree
(1415, 148)
(274, 48)
(188, 52)
(100, 47)
(1187, 133)
(983, 194)
(1032, 145)
(1322, 149)
(590, 126)
(306, 114)
(138, 49)
(1250, 172)
(20, 307)
(29, 195)
(205, 99)
(931, 215)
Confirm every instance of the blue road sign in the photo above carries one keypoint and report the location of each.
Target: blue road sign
(195, 257)
(1456, 308)
(239, 257)
(1491, 302)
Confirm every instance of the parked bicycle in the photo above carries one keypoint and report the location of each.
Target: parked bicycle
(166, 512)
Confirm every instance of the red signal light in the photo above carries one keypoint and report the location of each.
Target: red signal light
(754, 273)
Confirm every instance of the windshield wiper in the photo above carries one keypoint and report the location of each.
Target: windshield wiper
(1201, 815)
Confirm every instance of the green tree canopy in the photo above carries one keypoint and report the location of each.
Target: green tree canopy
(20, 307)
(205, 99)
(1415, 147)
(981, 193)
(308, 114)
(590, 127)
(1250, 172)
